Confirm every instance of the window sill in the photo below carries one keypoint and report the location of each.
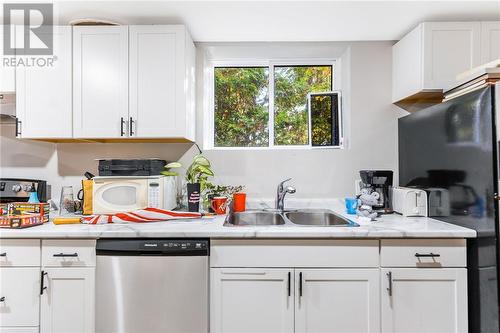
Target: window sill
(274, 148)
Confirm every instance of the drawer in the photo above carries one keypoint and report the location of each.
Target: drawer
(294, 253)
(20, 291)
(20, 329)
(19, 252)
(423, 253)
(68, 253)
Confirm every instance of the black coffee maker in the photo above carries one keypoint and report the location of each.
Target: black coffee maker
(381, 182)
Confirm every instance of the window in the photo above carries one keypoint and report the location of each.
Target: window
(275, 105)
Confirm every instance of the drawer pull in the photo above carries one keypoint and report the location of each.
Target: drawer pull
(289, 284)
(3, 254)
(42, 287)
(2, 299)
(62, 255)
(389, 279)
(427, 255)
(243, 273)
(300, 284)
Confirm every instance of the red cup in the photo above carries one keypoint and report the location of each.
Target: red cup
(219, 205)
(239, 200)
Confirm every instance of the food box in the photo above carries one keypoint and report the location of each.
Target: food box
(23, 208)
(20, 221)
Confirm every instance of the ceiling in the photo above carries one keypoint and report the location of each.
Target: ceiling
(210, 21)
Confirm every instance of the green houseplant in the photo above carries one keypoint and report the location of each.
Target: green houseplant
(197, 175)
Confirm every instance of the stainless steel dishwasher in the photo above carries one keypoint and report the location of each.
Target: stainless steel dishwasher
(152, 286)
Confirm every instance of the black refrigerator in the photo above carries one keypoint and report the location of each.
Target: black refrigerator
(451, 151)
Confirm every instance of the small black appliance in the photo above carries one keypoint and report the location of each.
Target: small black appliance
(381, 182)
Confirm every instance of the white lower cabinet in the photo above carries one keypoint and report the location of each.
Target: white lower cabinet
(252, 300)
(294, 300)
(67, 302)
(422, 300)
(19, 298)
(337, 300)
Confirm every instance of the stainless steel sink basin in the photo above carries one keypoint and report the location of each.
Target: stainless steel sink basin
(305, 217)
(319, 217)
(255, 218)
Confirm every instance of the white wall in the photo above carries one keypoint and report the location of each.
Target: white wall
(315, 173)
(371, 124)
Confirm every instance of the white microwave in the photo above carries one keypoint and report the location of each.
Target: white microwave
(115, 194)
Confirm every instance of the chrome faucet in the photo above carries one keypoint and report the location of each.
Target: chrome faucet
(281, 192)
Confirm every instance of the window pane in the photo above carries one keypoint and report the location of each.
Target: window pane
(291, 86)
(324, 119)
(241, 107)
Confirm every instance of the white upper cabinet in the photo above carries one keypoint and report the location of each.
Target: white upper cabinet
(490, 41)
(133, 82)
(422, 300)
(161, 70)
(100, 81)
(344, 299)
(248, 300)
(428, 59)
(44, 94)
(7, 73)
(450, 48)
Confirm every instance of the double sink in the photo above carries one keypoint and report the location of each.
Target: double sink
(302, 217)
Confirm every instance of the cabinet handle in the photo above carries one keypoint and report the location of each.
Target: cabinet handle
(18, 127)
(289, 285)
(427, 255)
(389, 278)
(3, 254)
(66, 255)
(2, 299)
(42, 287)
(131, 124)
(300, 284)
(122, 123)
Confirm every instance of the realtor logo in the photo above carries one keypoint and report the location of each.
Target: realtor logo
(35, 37)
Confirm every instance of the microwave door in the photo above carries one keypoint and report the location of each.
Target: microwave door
(123, 196)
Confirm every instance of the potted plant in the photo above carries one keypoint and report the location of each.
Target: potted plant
(226, 191)
(197, 176)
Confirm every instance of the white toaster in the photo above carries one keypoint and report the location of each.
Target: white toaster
(409, 201)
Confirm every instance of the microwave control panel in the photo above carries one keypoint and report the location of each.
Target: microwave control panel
(154, 193)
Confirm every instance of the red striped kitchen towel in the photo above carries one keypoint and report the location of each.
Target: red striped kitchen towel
(148, 214)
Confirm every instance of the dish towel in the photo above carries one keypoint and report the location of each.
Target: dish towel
(148, 214)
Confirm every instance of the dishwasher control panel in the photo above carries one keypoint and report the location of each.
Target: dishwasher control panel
(165, 247)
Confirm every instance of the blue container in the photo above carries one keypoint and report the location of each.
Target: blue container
(350, 205)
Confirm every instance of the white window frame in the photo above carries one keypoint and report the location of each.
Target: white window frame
(209, 102)
(339, 114)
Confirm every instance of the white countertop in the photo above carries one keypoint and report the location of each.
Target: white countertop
(387, 226)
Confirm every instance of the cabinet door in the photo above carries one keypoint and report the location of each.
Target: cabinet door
(67, 303)
(450, 48)
(44, 94)
(490, 41)
(251, 300)
(424, 300)
(100, 81)
(155, 57)
(19, 296)
(7, 73)
(344, 299)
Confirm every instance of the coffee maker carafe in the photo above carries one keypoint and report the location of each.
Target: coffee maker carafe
(381, 182)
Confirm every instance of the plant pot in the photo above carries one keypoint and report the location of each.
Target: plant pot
(193, 192)
(209, 205)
